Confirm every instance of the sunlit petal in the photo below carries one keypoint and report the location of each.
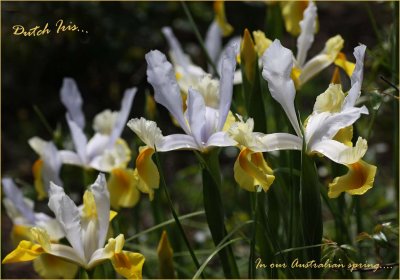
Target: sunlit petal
(147, 171)
(122, 186)
(358, 180)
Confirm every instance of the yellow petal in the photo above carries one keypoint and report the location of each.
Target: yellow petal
(333, 47)
(342, 62)
(220, 17)
(292, 13)
(251, 170)
(248, 56)
(112, 215)
(51, 267)
(230, 119)
(149, 178)
(345, 135)
(151, 108)
(41, 237)
(89, 210)
(21, 232)
(331, 100)
(38, 180)
(165, 258)
(26, 251)
(262, 43)
(122, 186)
(295, 75)
(357, 181)
(128, 264)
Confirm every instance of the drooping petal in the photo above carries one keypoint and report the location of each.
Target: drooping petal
(325, 125)
(220, 139)
(356, 78)
(72, 100)
(322, 60)
(358, 180)
(306, 37)
(26, 251)
(343, 63)
(128, 264)
(79, 139)
(147, 171)
(122, 186)
(68, 216)
(70, 157)
(178, 55)
(51, 267)
(126, 105)
(339, 152)
(213, 41)
(277, 68)
(177, 142)
(278, 141)
(226, 85)
(102, 199)
(14, 194)
(160, 74)
(251, 170)
(196, 116)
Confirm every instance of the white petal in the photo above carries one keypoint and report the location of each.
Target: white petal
(37, 144)
(79, 139)
(126, 105)
(51, 165)
(314, 66)
(69, 157)
(306, 37)
(356, 78)
(213, 42)
(226, 84)
(235, 43)
(220, 139)
(14, 194)
(51, 225)
(279, 141)
(277, 68)
(147, 131)
(340, 153)
(67, 214)
(161, 76)
(325, 125)
(72, 100)
(179, 57)
(66, 252)
(96, 146)
(177, 142)
(102, 199)
(196, 115)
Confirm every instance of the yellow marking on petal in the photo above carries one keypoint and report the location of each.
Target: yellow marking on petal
(128, 264)
(251, 170)
(122, 186)
(52, 267)
(295, 75)
(178, 75)
(342, 62)
(230, 119)
(37, 169)
(336, 76)
(248, 56)
(26, 251)
(89, 210)
(262, 43)
(345, 135)
(165, 257)
(358, 180)
(292, 13)
(220, 17)
(149, 178)
(151, 108)
(330, 100)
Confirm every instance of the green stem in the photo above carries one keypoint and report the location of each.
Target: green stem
(215, 212)
(252, 272)
(43, 120)
(176, 218)
(198, 36)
